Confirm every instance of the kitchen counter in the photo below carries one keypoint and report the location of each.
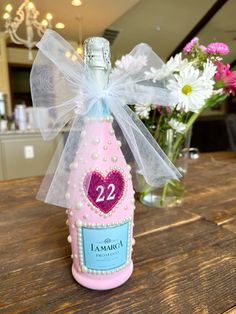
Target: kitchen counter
(184, 258)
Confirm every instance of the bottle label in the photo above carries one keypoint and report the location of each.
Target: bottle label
(104, 248)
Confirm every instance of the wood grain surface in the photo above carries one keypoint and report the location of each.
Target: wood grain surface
(184, 257)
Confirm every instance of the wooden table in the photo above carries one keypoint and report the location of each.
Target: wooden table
(185, 258)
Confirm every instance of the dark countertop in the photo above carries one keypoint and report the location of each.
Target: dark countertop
(184, 258)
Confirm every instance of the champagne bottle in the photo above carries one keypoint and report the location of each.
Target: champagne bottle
(100, 191)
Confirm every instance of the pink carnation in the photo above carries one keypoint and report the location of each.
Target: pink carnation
(218, 48)
(227, 77)
(190, 45)
(203, 48)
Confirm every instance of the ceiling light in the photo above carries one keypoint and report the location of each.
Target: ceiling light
(30, 5)
(44, 22)
(76, 3)
(60, 25)
(68, 54)
(6, 15)
(49, 16)
(8, 8)
(79, 50)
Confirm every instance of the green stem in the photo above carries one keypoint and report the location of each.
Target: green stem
(173, 153)
(163, 194)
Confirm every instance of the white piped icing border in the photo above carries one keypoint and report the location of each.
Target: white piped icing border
(126, 177)
(80, 224)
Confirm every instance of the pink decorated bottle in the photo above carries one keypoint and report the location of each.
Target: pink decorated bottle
(100, 192)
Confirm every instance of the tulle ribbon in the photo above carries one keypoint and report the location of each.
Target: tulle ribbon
(65, 95)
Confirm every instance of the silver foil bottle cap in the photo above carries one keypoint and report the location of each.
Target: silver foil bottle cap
(97, 53)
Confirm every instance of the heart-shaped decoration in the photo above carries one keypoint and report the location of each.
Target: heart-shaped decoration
(104, 192)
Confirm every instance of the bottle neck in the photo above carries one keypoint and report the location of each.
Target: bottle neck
(101, 77)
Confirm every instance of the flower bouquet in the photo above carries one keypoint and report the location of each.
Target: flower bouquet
(198, 80)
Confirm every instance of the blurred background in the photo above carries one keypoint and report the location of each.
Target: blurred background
(165, 25)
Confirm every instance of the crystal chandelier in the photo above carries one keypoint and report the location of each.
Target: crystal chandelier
(27, 12)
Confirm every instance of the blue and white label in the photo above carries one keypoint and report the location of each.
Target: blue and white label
(104, 248)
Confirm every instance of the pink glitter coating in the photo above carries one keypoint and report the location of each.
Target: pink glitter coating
(100, 189)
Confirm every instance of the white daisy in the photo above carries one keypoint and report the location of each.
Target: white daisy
(190, 90)
(173, 65)
(131, 64)
(177, 126)
(176, 63)
(209, 70)
(143, 110)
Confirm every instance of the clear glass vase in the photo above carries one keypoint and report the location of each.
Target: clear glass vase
(176, 146)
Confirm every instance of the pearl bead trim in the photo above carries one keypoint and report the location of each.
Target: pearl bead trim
(80, 224)
(103, 119)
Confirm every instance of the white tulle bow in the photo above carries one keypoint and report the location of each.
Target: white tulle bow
(64, 93)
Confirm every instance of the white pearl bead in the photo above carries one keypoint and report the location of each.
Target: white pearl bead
(84, 268)
(114, 158)
(111, 132)
(71, 256)
(94, 156)
(67, 196)
(96, 141)
(79, 205)
(119, 143)
(69, 239)
(67, 222)
(133, 241)
(71, 213)
(105, 147)
(83, 133)
(78, 223)
(129, 167)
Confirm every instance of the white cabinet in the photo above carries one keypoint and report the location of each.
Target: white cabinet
(25, 155)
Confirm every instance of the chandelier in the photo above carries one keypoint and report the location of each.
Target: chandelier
(27, 12)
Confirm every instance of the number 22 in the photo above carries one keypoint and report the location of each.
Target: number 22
(101, 196)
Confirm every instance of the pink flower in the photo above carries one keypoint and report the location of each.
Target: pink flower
(226, 77)
(203, 48)
(218, 48)
(190, 45)
(161, 109)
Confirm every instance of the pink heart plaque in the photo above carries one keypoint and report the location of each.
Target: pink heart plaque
(104, 192)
